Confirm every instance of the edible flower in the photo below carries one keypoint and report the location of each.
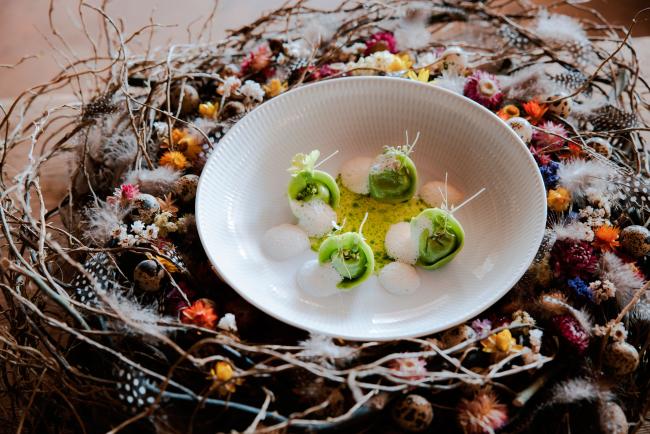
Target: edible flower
(500, 343)
(606, 238)
(200, 313)
(422, 75)
(275, 87)
(559, 199)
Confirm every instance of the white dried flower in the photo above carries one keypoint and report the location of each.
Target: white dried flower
(151, 232)
(535, 339)
(137, 227)
(228, 323)
(252, 90)
(523, 317)
(230, 85)
(602, 290)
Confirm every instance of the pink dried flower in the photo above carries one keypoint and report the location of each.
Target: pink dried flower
(483, 414)
(572, 332)
(483, 88)
(409, 368)
(573, 258)
(552, 138)
(124, 194)
(256, 60)
(482, 326)
(381, 41)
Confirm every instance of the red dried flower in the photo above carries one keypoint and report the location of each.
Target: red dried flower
(257, 59)
(201, 314)
(573, 258)
(381, 41)
(572, 332)
(124, 194)
(552, 138)
(483, 88)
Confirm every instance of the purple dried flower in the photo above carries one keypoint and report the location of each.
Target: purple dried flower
(573, 258)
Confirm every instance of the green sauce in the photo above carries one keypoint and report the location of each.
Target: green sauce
(381, 216)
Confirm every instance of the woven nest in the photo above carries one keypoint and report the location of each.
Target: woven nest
(113, 321)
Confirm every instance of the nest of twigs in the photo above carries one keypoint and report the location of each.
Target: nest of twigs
(111, 319)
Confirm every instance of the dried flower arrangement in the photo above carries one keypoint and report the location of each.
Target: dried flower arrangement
(113, 320)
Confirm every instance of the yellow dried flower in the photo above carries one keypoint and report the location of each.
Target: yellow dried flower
(209, 110)
(422, 75)
(401, 62)
(222, 373)
(559, 199)
(501, 342)
(275, 87)
(173, 159)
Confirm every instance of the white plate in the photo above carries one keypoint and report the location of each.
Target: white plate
(242, 193)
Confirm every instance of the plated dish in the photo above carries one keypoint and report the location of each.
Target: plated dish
(244, 191)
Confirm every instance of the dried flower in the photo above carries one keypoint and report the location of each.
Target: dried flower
(222, 374)
(550, 135)
(252, 90)
(606, 238)
(535, 339)
(482, 326)
(422, 75)
(483, 88)
(573, 258)
(615, 329)
(167, 204)
(572, 332)
(228, 323)
(209, 110)
(549, 174)
(381, 41)
(501, 343)
(483, 414)
(602, 290)
(200, 313)
(508, 111)
(137, 227)
(580, 287)
(534, 111)
(559, 199)
(522, 317)
(410, 368)
(257, 60)
(275, 87)
(229, 86)
(123, 195)
(174, 159)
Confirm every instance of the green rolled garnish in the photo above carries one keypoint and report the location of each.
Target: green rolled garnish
(350, 256)
(307, 183)
(439, 237)
(393, 176)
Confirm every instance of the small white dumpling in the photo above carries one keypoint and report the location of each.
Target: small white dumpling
(318, 280)
(355, 174)
(314, 216)
(432, 193)
(400, 244)
(284, 241)
(399, 278)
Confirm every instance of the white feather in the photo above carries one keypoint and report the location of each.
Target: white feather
(582, 176)
(155, 181)
(574, 230)
(560, 28)
(101, 220)
(451, 81)
(323, 347)
(526, 82)
(145, 319)
(622, 275)
(412, 35)
(574, 390)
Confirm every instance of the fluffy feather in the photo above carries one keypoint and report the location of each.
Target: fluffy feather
(101, 220)
(323, 347)
(582, 176)
(451, 81)
(622, 275)
(146, 318)
(574, 390)
(560, 28)
(156, 181)
(526, 82)
(574, 230)
(412, 35)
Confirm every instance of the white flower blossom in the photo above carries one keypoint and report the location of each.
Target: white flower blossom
(252, 90)
(230, 85)
(228, 323)
(120, 232)
(151, 232)
(137, 227)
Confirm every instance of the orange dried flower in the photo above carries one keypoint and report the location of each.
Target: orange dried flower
(559, 199)
(173, 159)
(190, 146)
(534, 111)
(606, 238)
(167, 204)
(509, 111)
(201, 314)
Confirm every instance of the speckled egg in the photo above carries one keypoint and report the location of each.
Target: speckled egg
(612, 419)
(413, 413)
(635, 240)
(621, 357)
(185, 187)
(522, 128)
(600, 145)
(145, 208)
(459, 334)
(190, 102)
(561, 108)
(148, 275)
(453, 59)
